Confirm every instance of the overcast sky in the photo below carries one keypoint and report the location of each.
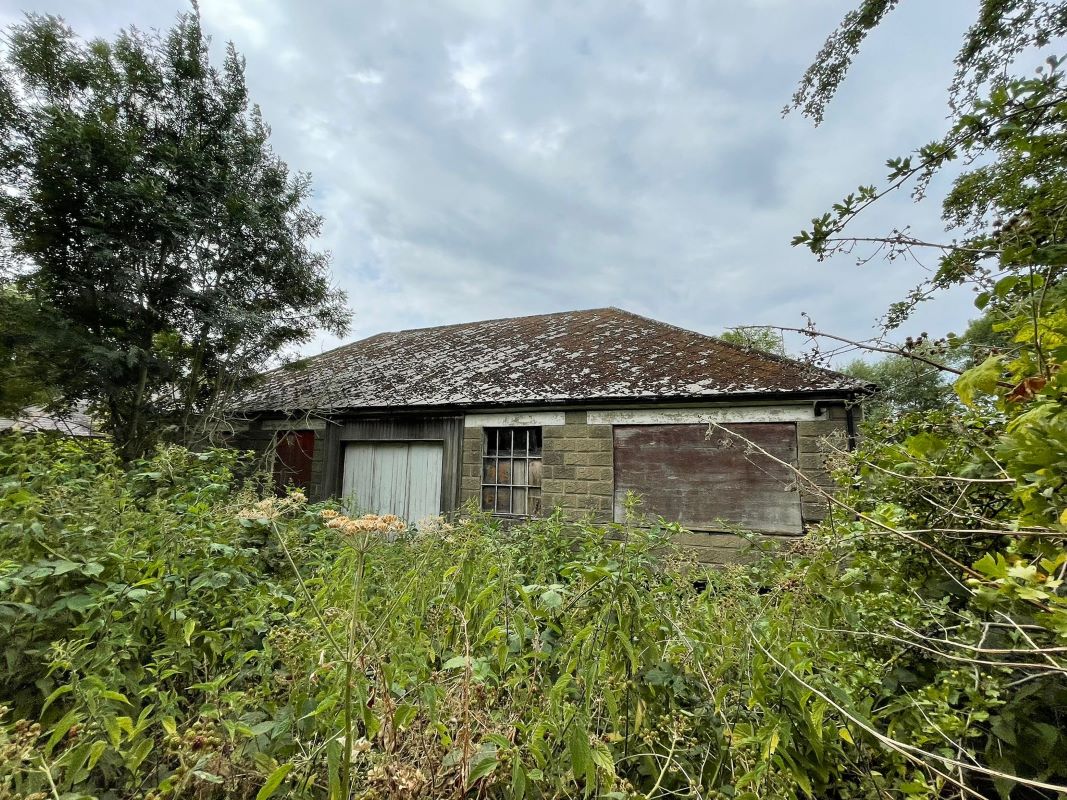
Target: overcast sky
(483, 158)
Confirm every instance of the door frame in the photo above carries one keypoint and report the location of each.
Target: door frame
(444, 429)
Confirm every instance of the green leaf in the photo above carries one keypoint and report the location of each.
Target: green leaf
(96, 751)
(482, 765)
(980, 380)
(551, 599)
(113, 731)
(139, 753)
(581, 755)
(62, 690)
(273, 782)
(518, 780)
(60, 730)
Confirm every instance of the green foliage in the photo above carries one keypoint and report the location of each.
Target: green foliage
(905, 385)
(956, 520)
(149, 225)
(24, 380)
(158, 644)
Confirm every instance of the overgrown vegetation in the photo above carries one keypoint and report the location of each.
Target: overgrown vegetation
(169, 630)
(159, 644)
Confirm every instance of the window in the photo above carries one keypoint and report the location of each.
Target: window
(293, 453)
(511, 471)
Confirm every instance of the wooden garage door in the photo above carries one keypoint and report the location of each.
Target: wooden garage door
(402, 478)
(686, 477)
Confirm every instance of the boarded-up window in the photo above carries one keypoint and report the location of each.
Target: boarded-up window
(511, 471)
(293, 454)
(700, 482)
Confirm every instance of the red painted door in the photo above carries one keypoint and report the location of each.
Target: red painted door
(294, 452)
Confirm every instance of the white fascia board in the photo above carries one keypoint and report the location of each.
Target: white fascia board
(517, 419)
(683, 416)
(302, 424)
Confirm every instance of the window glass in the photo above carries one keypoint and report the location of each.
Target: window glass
(511, 471)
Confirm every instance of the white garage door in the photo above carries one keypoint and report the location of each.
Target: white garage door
(402, 478)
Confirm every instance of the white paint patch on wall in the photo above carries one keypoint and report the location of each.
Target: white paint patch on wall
(682, 416)
(516, 420)
(301, 424)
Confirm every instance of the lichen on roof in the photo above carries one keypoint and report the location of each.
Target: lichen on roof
(603, 354)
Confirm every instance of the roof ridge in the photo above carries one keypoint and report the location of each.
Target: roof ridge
(748, 351)
(497, 319)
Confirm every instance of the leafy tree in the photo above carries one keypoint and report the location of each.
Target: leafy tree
(150, 222)
(756, 337)
(904, 386)
(965, 510)
(24, 380)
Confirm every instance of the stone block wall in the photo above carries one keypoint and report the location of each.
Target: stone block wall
(470, 483)
(578, 472)
(816, 443)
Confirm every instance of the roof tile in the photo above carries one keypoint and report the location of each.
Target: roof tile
(599, 354)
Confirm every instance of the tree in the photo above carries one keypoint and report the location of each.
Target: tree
(149, 220)
(965, 510)
(756, 337)
(905, 386)
(24, 381)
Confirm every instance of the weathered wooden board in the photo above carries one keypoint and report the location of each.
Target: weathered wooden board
(402, 478)
(684, 476)
(294, 453)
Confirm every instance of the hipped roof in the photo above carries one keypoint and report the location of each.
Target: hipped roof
(603, 354)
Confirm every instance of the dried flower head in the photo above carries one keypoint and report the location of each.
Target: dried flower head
(368, 523)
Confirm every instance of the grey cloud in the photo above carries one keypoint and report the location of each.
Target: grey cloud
(476, 159)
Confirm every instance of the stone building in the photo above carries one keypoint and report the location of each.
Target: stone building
(570, 410)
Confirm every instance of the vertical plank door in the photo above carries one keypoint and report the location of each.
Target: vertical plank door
(402, 478)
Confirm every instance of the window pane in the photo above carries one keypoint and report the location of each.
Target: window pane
(518, 472)
(535, 472)
(518, 501)
(503, 501)
(511, 462)
(535, 503)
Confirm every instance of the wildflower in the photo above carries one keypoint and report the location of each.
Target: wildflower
(368, 523)
(270, 508)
